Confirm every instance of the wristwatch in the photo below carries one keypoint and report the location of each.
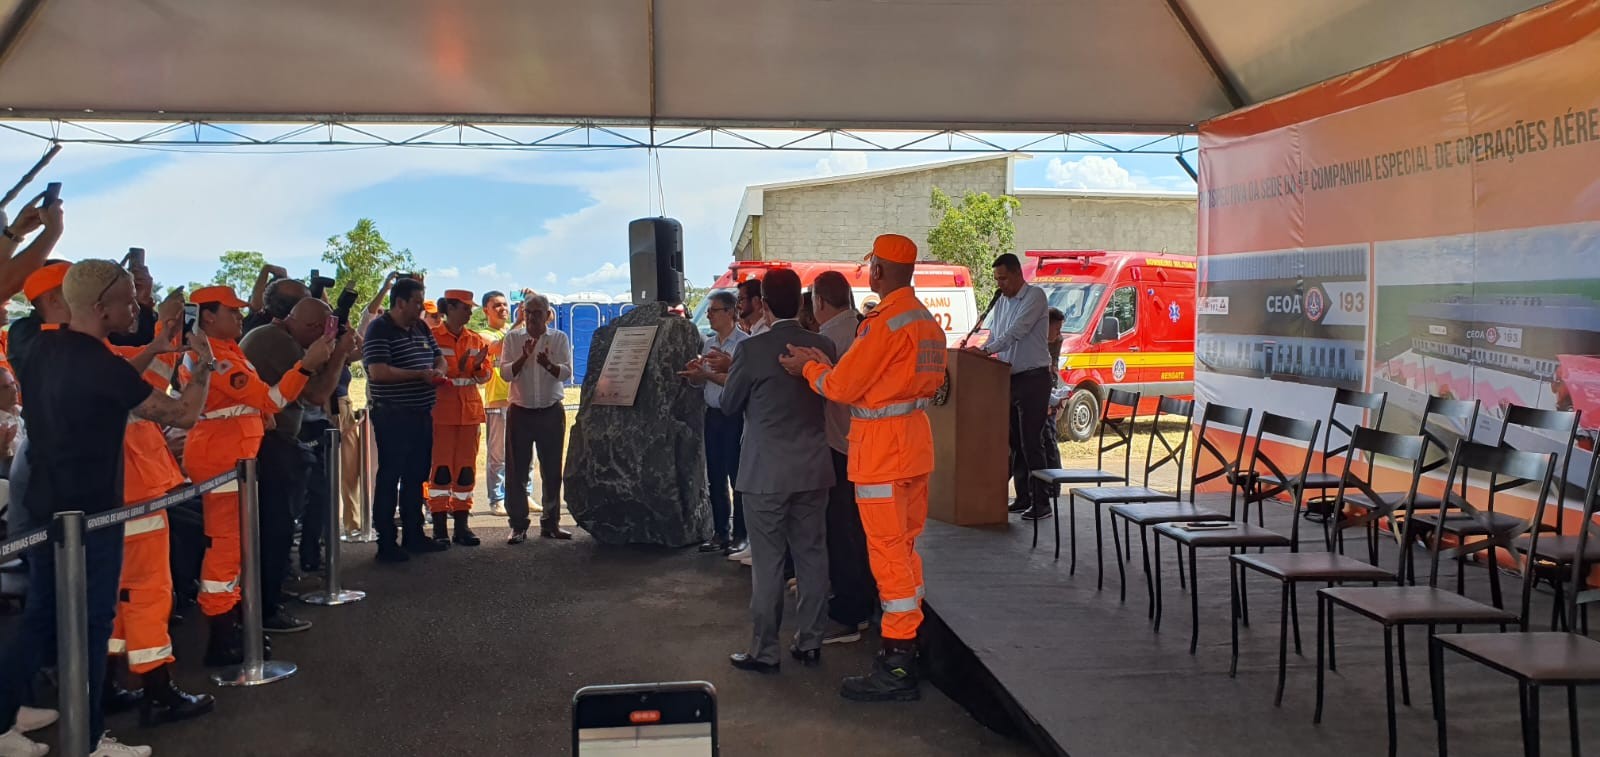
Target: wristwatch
(304, 372)
(11, 235)
(210, 366)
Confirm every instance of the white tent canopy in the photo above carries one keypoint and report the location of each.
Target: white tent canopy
(1087, 65)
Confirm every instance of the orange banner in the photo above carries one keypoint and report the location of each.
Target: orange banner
(1427, 226)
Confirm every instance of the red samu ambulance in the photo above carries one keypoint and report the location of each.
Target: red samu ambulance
(946, 290)
(1129, 325)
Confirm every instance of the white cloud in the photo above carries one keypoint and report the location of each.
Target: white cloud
(551, 278)
(1091, 172)
(448, 272)
(607, 277)
(842, 162)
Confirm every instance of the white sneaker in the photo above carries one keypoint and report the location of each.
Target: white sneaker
(14, 744)
(30, 719)
(747, 561)
(740, 556)
(535, 508)
(110, 747)
(497, 508)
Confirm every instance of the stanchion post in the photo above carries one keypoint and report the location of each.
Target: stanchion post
(72, 632)
(333, 592)
(364, 533)
(255, 670)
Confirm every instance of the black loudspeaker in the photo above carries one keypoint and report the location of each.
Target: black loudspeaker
(655, 258)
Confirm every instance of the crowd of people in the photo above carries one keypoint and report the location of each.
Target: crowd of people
(818, 448)
(159, 396)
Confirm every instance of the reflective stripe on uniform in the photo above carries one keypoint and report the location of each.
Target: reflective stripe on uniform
(874, 491)
(464, 382)
(464, 496)
(447, 351)
(435, 490)
(117, 646)
(219, 587)
(144, 525)
(147, 656)
(909, 317)
(277, 397)
(900, 605)
(231, 411)
(888, 411)
(818, 383)
(921, 592)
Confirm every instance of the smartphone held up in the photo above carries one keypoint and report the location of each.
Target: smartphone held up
(646, 720)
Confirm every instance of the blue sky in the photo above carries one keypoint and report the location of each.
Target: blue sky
(478, 219)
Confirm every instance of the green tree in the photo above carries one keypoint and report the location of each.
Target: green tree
(973, 233)
(240, 269)
(362, 258)
(692, 295)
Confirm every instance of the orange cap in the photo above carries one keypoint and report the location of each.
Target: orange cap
(894, 248)
(220, 295)
(45, 279)
(459, 295)
(429, 306)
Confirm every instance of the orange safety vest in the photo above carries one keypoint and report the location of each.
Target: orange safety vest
(459, 403)
(148, 468)
(887, 377)
(235, 402)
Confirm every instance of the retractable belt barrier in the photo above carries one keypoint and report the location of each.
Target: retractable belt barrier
(37, 536)
(67, 531)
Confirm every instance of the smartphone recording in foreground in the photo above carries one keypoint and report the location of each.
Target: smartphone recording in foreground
(646, 720)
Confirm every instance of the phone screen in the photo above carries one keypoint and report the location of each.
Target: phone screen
(660, 720)
(191, 314)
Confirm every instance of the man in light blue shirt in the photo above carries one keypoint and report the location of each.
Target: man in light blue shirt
(723, 430)
(1017, 335)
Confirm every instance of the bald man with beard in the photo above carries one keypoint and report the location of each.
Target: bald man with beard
(284, 462)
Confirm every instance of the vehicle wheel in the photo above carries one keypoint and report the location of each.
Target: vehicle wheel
(1082, 417)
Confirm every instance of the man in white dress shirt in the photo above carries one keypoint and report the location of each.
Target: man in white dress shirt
(723, 430)
(537, 362)
(1017, 336)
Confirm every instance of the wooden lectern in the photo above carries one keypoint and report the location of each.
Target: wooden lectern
(971, 443)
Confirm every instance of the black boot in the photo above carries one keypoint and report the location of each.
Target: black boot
(464, 535)
(441, 528)
(114, 698)
(226, 643)
(893, 677)
(164, 702)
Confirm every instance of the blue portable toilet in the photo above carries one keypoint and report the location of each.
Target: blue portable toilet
(622, 303)
(580, 316)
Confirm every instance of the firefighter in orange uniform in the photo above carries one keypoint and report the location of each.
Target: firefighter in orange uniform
(229, 430)
(457, 417)
(887, 377)
(145, 606)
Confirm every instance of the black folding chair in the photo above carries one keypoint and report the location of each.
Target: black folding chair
(1535, 659)
(1319, 482)
(1328, 567)
(1400, 607)
(1214, 422)
(1169, 409)
(1115, 433)
(1300, 441)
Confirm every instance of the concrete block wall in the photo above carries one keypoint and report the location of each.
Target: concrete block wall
(838, 221)
(1048, 222)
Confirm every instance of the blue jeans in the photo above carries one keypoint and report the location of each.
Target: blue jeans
(723, 434)
(35, 642)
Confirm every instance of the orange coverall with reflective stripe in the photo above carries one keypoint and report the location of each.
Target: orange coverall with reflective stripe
(457, 420)
(893, 368)
(229, 430)
(149, 471)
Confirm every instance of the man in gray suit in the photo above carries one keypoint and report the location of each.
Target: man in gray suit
(785, 472)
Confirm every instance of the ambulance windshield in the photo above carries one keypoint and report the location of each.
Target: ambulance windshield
(1075, 301)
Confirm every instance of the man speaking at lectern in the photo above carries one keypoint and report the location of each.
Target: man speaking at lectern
(893, 369)
(1017, 336)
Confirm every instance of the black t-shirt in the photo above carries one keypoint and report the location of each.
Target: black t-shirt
(79, 394)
